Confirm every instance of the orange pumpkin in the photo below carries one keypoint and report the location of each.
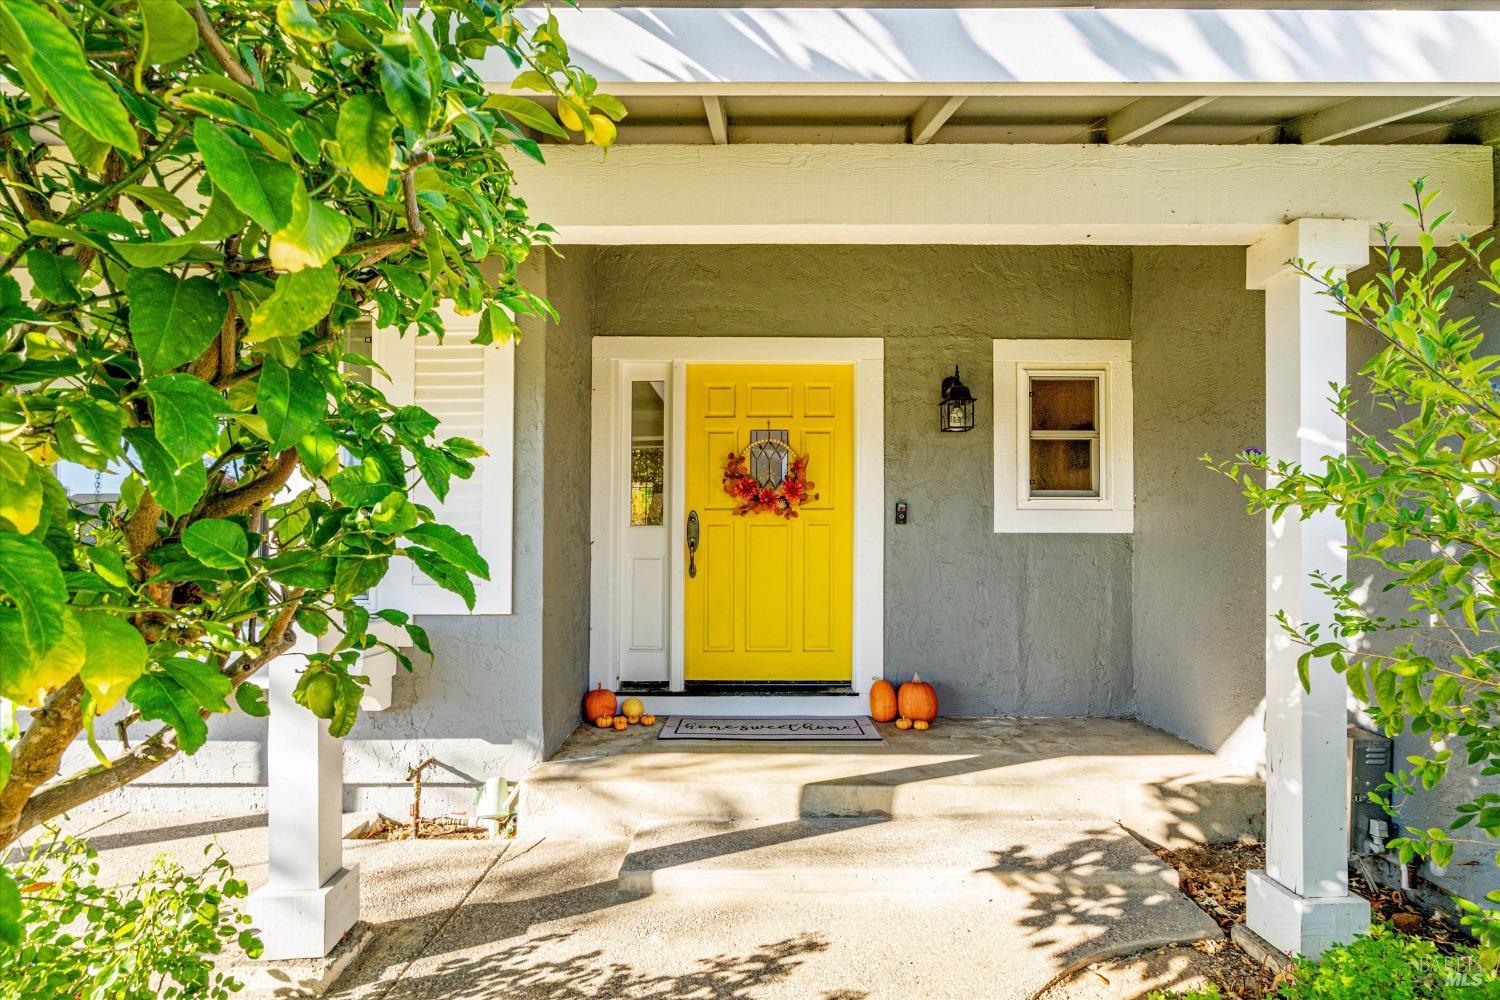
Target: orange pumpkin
(919, 725)
(599, 702)
(903, 723)
(882, 701)
(604, 721)
(621, 723)
(917, 700)
(648, 720)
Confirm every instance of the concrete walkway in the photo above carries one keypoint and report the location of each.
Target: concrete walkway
(715, 873)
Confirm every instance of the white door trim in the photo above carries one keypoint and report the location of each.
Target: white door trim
(615, 360)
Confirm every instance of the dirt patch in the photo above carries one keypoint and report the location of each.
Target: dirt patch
(385, 828)
(1213, 876)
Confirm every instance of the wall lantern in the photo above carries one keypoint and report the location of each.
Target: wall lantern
(956, 408)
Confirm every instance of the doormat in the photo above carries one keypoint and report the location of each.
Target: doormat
(797, 728)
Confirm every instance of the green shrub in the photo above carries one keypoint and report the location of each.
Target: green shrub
(1208, 992)
(154, 937)
(1391, 966)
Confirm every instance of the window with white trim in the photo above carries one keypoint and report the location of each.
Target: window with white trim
(1063, 436)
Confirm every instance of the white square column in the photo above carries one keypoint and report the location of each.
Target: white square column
(1301, 902)
(310, 899)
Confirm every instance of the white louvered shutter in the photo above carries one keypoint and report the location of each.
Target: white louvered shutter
(470, 388)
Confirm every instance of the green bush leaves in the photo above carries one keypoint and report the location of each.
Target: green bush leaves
(172, 319)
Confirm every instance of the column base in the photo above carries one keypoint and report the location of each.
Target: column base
(1298, 925)
(306, 923)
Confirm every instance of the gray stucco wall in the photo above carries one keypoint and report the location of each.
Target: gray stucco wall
(1198, 573)
(565, 516)
(1002, 624)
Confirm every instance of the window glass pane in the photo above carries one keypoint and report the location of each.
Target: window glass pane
(1063, 404)
(1062, 467)
(648, 423)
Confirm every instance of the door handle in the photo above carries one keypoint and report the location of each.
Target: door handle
(692, 542)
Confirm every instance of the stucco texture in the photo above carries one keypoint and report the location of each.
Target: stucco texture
(1198, 577)
(1002, 624)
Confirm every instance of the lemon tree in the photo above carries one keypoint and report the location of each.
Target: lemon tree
(197, 199)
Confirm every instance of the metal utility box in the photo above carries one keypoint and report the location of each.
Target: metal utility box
(1370, 758)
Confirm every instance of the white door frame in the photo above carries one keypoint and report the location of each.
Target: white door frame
(619, 360)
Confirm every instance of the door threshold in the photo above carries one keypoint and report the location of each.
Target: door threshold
(751, 705)
(740, 689)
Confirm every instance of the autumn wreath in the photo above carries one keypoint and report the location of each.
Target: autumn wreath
(781, 500)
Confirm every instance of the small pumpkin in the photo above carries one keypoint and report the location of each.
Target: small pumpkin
(632, 710)
(604, 721)
(920, 725)
(648, 720)
(917, 700)
(903, 723)
(620, 723)
(882, 701)
(600, 701)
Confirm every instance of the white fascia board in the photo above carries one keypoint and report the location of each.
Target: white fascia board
(965, 51)
(1025, 194)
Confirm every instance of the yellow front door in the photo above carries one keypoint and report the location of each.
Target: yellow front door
(772, 597)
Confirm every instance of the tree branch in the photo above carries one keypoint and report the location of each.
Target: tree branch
(36, 756)
(89, 784)
(220, 51)
(242, 498)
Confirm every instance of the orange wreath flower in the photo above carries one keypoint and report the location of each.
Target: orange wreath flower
(753, 498)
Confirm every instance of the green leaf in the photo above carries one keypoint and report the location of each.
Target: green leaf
(365, 127)
(20, 489)
(297, 302)
(176, 487)
(160, 200)
(27, 675)
(88, 152)
(174, 691)
(54, 275)
(114, 656)
(169, 32)
(357, 573)
(406, 90)
(297, 20)
(221, 220)
(185, 412)
(31, 578)
(319, 451)
(217, 543)
(172, 320)
(443, 573)
(252, 700)
(100, 421)
(49, 58)
(527, 112)
(262, 187)
(11, 931)
(452, 545)
(291, 400)
(313, 237)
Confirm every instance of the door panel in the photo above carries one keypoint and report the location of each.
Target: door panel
(773, 597)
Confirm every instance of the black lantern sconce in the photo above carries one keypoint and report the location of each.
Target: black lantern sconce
(956, 408)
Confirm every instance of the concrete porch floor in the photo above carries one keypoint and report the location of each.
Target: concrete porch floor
(983, 858)
(1115, 770)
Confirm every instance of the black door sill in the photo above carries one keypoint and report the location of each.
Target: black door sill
(698, 689)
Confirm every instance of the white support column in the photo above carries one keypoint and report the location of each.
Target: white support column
(1301, 902)
(310, 899)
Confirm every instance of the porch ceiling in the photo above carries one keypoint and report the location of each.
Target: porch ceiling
(1012, 73)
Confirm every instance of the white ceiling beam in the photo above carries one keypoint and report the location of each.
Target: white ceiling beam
(943, 193)
(1141, 117)
(718, 122)
(931, 116)
(1354, 116)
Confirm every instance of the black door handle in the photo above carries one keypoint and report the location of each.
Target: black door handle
(692, 542)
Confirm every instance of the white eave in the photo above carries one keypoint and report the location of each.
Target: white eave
(1003, 74)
